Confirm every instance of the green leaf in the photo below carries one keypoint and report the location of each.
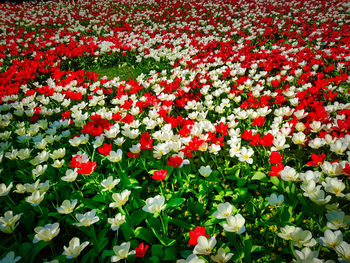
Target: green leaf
(241, 191)
(174, 202)
(37, 248)
(170, 254)
(241, 182)
(137, 217)
(275, 180)
(259, 176)
(153, 259)
(157, 251)
(180, 223)
(247, 248)
(144, 234)
(127, 231)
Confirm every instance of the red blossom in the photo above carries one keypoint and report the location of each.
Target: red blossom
(141, 250)
(317, 160)
(175, 161)
(105, 149)
(259, 121)
(195, 234)
(276, 157)
(159, 175)
(146, 141)
(275, 170)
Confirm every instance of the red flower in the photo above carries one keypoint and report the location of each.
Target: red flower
(247, 135)
(66, 114)
(141, 250)
(222, 128)
(276, 157)
(267, 140)
(195, 234)
(146, 141)
(159, 175)
(175, 161)
(347, 169)
(105, 149)
(317, 160)
(87, 168)
(275, 170)
(132, 155)
(259, 121)
(83, 165)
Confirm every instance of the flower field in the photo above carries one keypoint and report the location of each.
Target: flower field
(175, 131)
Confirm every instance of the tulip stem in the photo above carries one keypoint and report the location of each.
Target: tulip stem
(162, 221)
(11, 200)
(52, 249)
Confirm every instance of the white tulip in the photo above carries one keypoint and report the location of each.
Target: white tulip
(221, 256)
(122, 252)
(154, 204)
(275, 200)
(331, 239)
(204, 246)
(74, 249)
(205, 171)
(46, 233)
(235, 224)
(223, 211)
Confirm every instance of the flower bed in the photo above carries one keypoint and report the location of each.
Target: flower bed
(231, 144)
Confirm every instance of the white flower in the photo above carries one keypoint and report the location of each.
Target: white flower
(74, 248)
(299, 138)
(339, 147)
(306, 255)
(4, 190)
(205, 171)
(245, 154)
(87, 219)
(223, 211)
(120, 199)
(286, 232)
(8, 222)
(46, 233)
(39, 170)
(67, 207)
(10, 258)
(337, 220)
(58, 163)
(191, 259)
(122, 252)
(154, 204)
(343, 249)
(36, 198)
(332, 169)
(204, 246)
(319, 197)
(117, 221)
(274, 200)
(302, 238)
(221, 256)
(115, 156)
(289, 174)
(109, 183)
(331, 239)
(334, 186)
(70, 176)
(235, 224)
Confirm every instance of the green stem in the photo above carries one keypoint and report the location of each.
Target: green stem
(52, 249)
(163, 224)
(11, 200)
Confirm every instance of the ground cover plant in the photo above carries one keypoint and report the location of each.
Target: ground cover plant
(175, 131)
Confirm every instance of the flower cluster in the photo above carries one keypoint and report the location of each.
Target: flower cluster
(223, 135)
